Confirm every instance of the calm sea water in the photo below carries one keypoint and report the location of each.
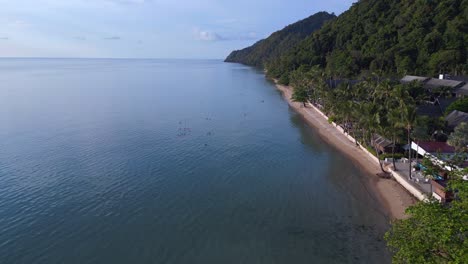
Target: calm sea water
(170, 161)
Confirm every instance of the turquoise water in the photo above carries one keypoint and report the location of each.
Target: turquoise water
(170, 161)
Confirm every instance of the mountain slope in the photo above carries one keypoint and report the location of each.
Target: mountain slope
(394, 37)
(279, 42)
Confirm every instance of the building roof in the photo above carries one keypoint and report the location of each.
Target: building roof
(462, 90)
(456, 117)
(381, 142)
(435, 147)
(434, 83)
(463, 78)
(444, 103)
(427, 109)
(436, 108)
(411, 78)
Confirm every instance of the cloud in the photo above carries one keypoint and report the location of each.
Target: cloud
(113, 38)
(79, 38)
(206, 35)
(4, 38)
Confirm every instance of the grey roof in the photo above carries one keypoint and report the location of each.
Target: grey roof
(456, 117)
(428, 109)
(434, 83)
(445, 102)
(381, 141)
(462, 78)
(410, 78)
(436, 108)
(462, 90)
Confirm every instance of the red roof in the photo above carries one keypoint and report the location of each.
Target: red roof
(434, 147)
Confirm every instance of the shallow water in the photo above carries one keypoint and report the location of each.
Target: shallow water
(170, 161)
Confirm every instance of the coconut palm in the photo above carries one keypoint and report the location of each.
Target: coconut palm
(395, 125)
(409, 118)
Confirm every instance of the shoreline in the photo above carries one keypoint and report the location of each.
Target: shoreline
(393, 197)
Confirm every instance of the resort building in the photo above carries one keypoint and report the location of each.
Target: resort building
(436, 108)
(434, 83)
(455, 118)
(457, 86)
(383, 145)
(438, 152)
(442, 93)
(462, 91)
(411, 78)
(440, 192)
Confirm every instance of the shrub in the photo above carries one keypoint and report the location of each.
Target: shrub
(460, 105)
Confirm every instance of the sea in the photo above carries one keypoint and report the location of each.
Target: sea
(171, 161)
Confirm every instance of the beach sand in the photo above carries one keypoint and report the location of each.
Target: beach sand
(394, 198)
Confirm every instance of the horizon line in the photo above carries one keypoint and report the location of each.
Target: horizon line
(109, 58)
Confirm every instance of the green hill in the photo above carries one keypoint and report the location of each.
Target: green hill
(395, 37)
(279, 42)
(388, 37)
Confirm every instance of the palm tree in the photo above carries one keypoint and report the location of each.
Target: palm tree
(395, 124)
(409, 117)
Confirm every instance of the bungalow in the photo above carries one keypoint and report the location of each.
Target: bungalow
(438, 152)
(411, 78)
(434, 83)
(455, 118)
(382, 144)
(436, 108)
(439, 101)
(439, 191)
(462, 91)
(457, 86)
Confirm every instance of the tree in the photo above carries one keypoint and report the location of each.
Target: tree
(404, 37)
(460, 105)
(434, 232)
(409, 117)
(299, 95)
(396, 124)
(459, 137)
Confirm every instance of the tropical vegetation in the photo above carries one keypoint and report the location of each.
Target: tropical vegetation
(460, 105)
(434, 232)
(377, 42)
(280, 42)
(390, 37)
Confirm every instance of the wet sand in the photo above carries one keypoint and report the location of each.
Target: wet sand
(394, 198)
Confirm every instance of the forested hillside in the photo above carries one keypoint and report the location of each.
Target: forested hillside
(387, 37)
(279, 42)
(420, 37)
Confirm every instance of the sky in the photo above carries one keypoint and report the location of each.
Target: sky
(207, 29)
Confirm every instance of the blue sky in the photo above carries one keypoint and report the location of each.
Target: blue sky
(145, 28)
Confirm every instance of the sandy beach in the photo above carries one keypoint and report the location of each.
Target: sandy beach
(390, 194)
